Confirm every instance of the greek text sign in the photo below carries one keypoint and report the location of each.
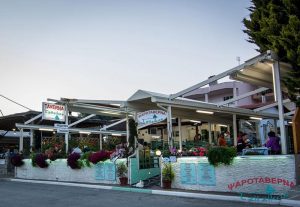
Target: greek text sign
(105, 171)
(188, 173)
(151, 117)
(206, 173)
(54, 112)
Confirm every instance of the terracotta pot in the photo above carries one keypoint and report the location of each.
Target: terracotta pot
(167, 184)
(123, 181)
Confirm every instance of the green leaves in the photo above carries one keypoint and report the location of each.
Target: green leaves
(221, 155)
(275, 25)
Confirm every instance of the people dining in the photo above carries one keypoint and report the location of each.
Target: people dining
(273, 143)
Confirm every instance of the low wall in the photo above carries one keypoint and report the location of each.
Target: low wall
(6, 169)
(59, 171)
(247, 174)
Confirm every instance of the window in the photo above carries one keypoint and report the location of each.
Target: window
(152, 131)
(227, 98)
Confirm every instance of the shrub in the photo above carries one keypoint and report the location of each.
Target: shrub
(168, 172)
(99, 156)
(73, 161)
(85, 159)
(40, 160)
(121, 169)
(221, 155)
(17, 160)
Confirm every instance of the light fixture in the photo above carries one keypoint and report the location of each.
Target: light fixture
(155, 137)
(204, 112)
(158, 153)
(255, 118)
(46, 129)
(117, 135)
(223, 125)
(290, 122)
(195, 121)
(54, 132)
(84, 132)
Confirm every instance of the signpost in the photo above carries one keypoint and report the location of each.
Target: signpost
(151, 117)
(61, 128)
(54, 112)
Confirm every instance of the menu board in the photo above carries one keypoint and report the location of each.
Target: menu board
(188, 173)
(110, 171)
(206, 174)
(99, 171)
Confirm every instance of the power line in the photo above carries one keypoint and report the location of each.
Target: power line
(15, 103)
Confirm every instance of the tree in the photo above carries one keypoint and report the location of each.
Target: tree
(275, 25)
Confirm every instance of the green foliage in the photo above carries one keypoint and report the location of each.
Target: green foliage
(121, 169)
(33, 159)
(275, 25)
(168, 172)
(221, 155)
(84, 159)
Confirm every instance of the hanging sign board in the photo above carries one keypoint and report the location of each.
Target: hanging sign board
(54, 112)
(151, 117)
(61, 128)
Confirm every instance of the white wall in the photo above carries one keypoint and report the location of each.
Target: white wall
(247, 167)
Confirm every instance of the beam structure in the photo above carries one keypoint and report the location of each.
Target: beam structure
(271, 105)
(267, 55)
(33, 119)
(81, 120)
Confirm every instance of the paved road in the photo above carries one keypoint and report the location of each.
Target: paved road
(15, 194)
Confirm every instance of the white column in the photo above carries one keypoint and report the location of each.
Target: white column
(67, 134)
(31, 140)
(234, 127)
(100, 142)
(235, 95)
(209, 133)
(21, 141)
(169, 125)
(206, 97)
(180, 136)
(127, 130)
(278, 99)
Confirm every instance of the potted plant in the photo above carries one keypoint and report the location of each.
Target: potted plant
(122, 173)
(167, 176)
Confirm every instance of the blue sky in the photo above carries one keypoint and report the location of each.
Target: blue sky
(108, 49)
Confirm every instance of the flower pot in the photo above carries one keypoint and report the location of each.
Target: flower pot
(123, 181)
(167, 184)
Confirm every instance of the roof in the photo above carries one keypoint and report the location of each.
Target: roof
(260, 74)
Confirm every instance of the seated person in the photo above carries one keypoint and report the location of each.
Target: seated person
(243, 143)
(273, 143)
(221, 140)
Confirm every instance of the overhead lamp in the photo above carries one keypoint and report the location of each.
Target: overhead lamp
(290, 122)
(204, 112)
(46, 129)
(84, 132)
(195, 121)
(255, 118)
(117, 135)
(223, 125)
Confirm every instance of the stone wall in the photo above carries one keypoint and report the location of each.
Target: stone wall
(6, 169)
(248, 174)
(59, 171)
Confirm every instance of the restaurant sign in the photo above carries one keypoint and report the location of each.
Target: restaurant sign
(151, 117)
(54, 112)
